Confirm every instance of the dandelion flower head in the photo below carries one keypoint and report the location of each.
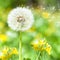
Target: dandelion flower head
(20, 19)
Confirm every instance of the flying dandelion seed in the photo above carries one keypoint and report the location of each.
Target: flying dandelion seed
(20, 19)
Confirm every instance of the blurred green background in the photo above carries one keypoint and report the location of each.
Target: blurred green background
(47, 24)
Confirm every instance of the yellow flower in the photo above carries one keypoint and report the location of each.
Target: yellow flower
(48, 48)
(41, 45)
(38, 44)
(42, 42)
(4, 58)
(3, 37)
(35, 44)
(5, 50)
(14, 51)
(1, 55)
(45, 14)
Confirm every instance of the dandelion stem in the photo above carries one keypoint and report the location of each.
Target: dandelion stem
(38, 56)
(20, 45)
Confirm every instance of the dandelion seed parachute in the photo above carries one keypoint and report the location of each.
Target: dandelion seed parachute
(20, 19)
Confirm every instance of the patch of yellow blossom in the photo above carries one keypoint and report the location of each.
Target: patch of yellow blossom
(41, 45)
(45, 14)
(48, 48)
(14, 51)
(1, 55)
(3, 37)
(42, 42)
(7, 52)
(35, 44)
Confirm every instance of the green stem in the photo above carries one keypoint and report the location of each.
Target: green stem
(38, 56)
(20, 45)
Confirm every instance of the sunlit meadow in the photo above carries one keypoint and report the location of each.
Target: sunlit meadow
(40, 41)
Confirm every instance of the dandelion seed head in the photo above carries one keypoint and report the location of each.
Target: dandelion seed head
(20, 19)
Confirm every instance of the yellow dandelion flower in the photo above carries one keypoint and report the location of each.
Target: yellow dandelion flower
(35, 44)
(4, 58)
(5, 50)
(14, 51)
(38, 44)
(41, 45)
(48, 49)
(42, 42)
(3, 37)
(1, 55)
(45, 14)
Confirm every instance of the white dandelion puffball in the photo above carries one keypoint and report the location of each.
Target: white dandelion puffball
(20, 19)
